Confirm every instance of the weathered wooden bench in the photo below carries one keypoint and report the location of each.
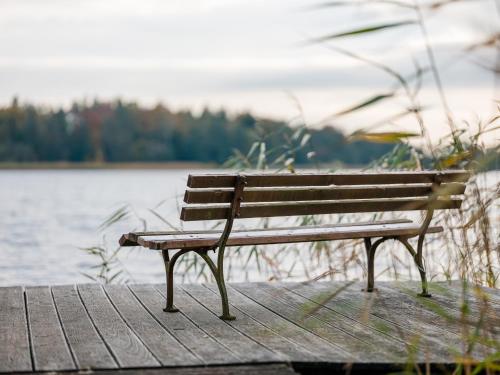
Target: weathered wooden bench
(241, 196)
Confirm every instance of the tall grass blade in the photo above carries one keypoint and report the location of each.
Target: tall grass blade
(363, 30)
(115, 217)
(160, 217)
(382, 137)
(331, 4)
(365, 103)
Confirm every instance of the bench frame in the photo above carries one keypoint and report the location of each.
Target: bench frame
(234, 212)
(217, 270)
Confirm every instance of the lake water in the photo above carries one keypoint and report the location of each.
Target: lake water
(47, 215)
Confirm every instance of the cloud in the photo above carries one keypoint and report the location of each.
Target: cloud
(54, 51)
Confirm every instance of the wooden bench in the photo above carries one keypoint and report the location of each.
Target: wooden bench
(242, 196)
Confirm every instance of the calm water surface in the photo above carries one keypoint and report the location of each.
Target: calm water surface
(45, 216)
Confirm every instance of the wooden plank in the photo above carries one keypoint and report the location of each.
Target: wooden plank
(286, 349)
(410, 314)
(241, 346)
(388, 340)
(304, 315)
(49, 347)
(251, 210)
(410, 317)
(311, 343)
(357, 350)
(494, 293)
(449, 308)
(127, 349)
(15, 353)
(193, 338)
(441, 300)
(203, 196)
(383, 343)
(443, 312)
(159, 341)
(253, 369)
(87, 347)
(453, 290)
(130, 239)
(375, 327)
(324, 179)
(298, 234)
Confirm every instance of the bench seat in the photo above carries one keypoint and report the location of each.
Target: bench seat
(205, 239)
(255, 196)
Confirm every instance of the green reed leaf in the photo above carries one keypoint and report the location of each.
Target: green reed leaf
(88, 276)
(305, 139)
(363, 30)
(161, 218)
(261, 161)
(440, 4)
(454, 159)
(382, 137)
(121, 213)
(365, 103)
(118, 273)
(330, 4)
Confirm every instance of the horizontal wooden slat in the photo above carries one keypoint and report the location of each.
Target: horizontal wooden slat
(325, 179)
(251, 210)
(225, 195)
(130, 239)
(297, 234)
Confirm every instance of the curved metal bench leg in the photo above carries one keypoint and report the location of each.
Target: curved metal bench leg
(370, 254)
(418, 258)
(370, 258)
(169, 267)
(218, 271)
(166, 262)
(219, 278)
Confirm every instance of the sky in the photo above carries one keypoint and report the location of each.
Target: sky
(248, 55)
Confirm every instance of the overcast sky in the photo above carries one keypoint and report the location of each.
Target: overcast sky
(241, 55)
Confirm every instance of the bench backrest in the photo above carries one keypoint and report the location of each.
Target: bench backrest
(209, 196)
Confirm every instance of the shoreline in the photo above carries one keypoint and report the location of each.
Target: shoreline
(96, 165)
(173, 165)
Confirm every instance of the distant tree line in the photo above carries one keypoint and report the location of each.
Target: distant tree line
(126, 132)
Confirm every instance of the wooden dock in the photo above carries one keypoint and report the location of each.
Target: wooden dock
(281, 328)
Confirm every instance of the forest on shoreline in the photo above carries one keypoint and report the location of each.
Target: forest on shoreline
(124, 132)
(115, 132)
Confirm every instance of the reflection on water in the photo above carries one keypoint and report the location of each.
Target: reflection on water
(45, 216)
